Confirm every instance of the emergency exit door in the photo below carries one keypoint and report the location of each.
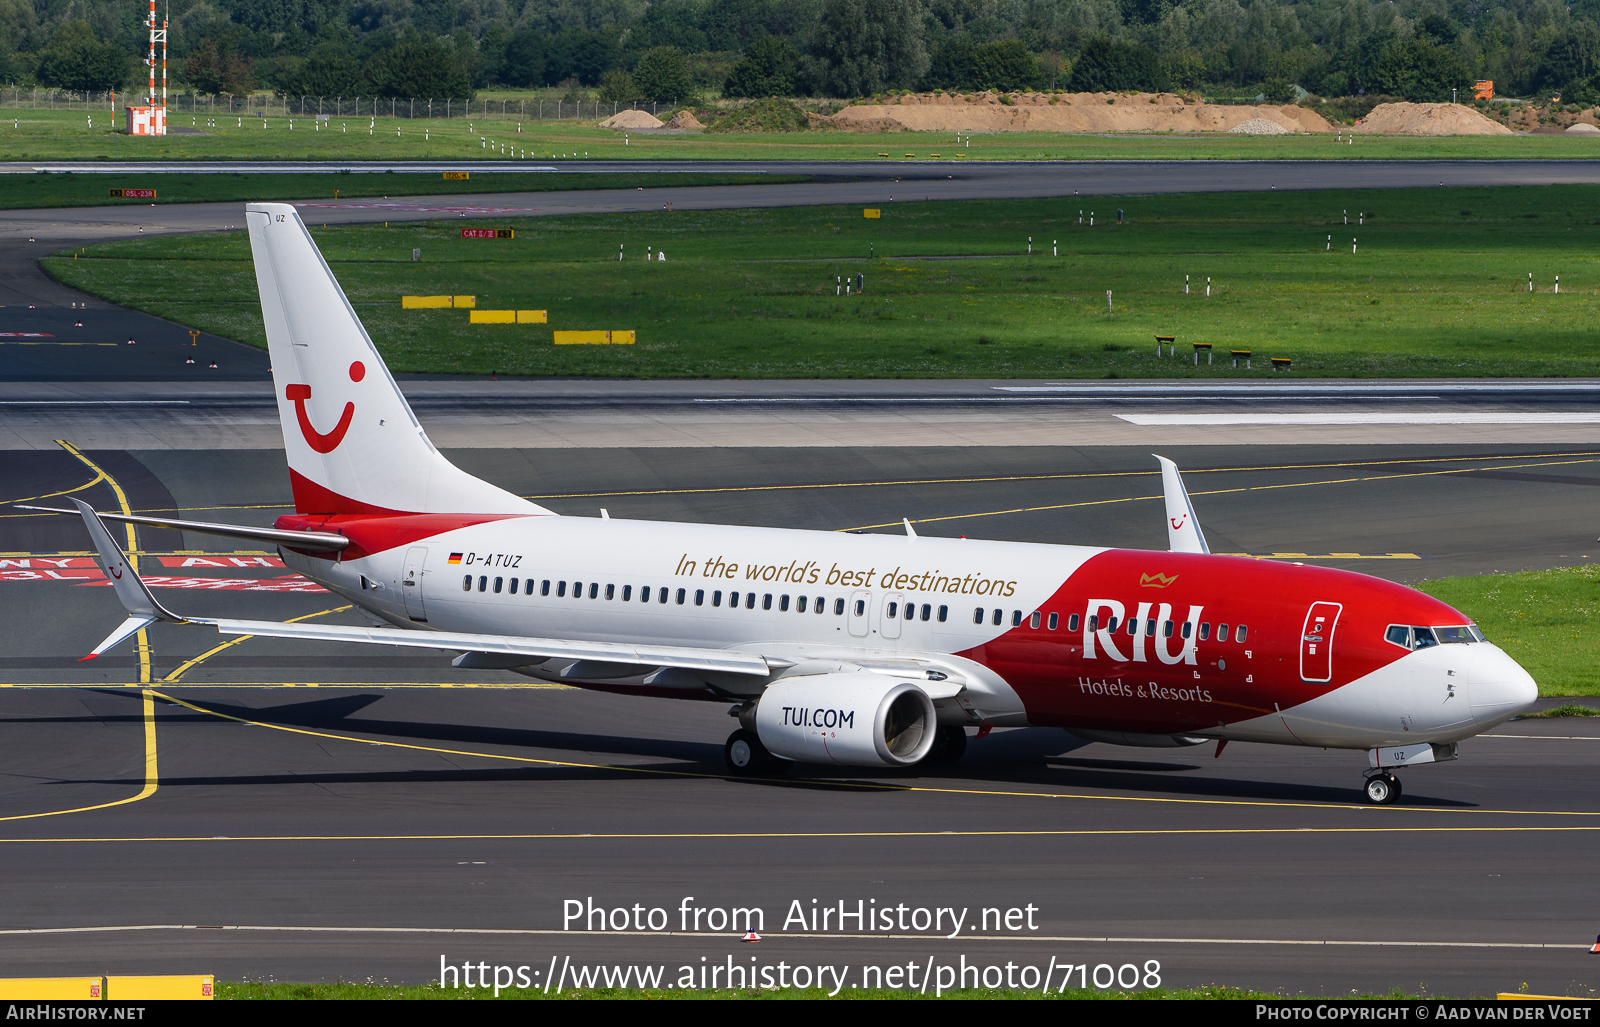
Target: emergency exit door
(1316, 642)
(411, 583)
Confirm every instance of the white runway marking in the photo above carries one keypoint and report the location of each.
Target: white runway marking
(1373, 417)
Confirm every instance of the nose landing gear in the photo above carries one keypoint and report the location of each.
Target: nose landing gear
(1382, 789)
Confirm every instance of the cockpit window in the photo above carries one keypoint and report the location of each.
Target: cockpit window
(1414, 637)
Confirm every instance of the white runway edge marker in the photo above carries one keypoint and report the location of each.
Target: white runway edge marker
(1364, 942)
(1376, 417)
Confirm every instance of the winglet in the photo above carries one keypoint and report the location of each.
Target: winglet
(910, 531)
(143, 610)
(1183, 528)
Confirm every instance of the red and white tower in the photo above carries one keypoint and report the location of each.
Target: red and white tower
(151, 120)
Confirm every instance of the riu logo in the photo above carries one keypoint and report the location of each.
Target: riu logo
(317, 440)
(1157, 580)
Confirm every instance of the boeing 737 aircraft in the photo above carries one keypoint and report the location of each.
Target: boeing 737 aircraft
(831, 648)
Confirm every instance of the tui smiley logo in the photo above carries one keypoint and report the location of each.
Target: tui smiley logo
(315, 439)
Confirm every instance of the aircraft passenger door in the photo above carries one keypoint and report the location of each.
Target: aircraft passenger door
(1316, 642)
(859, 614)
(411, 583)
(893, 609)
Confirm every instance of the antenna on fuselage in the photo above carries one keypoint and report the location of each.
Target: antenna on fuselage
(1183, 527)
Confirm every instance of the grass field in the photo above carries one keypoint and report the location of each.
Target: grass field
(93, 190)
(1548, 621)
(43, 135)
(1438, 286)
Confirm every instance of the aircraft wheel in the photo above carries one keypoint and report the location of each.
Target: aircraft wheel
(949, 744)
(747, 757)
(1382, 789)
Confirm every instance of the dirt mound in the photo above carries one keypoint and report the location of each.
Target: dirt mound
(684, 119)
(630, 119)
(1428, 119)
(1258, 127)
(1062, 112)
(1582, 129)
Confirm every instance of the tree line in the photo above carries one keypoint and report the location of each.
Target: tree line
(685, 50)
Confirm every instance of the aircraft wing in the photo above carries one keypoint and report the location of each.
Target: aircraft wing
(143, 610)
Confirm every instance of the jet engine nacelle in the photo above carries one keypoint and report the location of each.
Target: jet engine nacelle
(857, 719)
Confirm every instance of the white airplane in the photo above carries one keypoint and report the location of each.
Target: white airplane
(831, 648)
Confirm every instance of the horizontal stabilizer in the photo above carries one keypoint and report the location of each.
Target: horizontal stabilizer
(311, 541)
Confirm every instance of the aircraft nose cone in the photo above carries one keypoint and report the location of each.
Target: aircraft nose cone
(1501, 689)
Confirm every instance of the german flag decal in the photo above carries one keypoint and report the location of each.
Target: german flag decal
(455, 557)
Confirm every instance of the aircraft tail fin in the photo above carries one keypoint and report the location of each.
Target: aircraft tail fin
(1183, 527)
(352, 441)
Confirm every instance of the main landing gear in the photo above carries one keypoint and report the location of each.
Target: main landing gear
(1382, 789)
(747, 757)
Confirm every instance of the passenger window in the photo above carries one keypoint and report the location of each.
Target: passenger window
(1051, 623)
(1399, 634)
(466, 583)
(944, 611)
(1222, 632)
(1132, 625)
(733, 600)
(893, 607)
(627, 593)
(1033, 621)
(1072, 622)
(977, 615)
(998, 614)
(861, 607)
(838, 607)
(594, 590)
(1205, 630)
(783, 604)
(927, 611)
(1094, 622)
(577, 590)
(513, 589)
(681, 593)
(800, 604)
(1188, 628)
(1238, 635)
(544, 587)
(661, 597)
(561, 590)
(1016, 618)
(766, 601)
(699, 597)
(820, 605)
(1166, 629)
(644, 593)
(611, 591)
(1150, 628)
(716, 598)
(527, 587)
(499, 583)
(483, 584)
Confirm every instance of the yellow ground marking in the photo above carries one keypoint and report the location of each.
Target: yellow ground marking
(152, 775)
(927, 481)
(757, 836)
(143, 637)
(383, 686)
(91, 483)
(187, 665)
(877, 786)
(1219, 492)
(1049, 477)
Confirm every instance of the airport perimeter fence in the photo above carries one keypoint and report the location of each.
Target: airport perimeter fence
(253, 105)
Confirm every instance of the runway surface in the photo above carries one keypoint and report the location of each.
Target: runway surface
(376, 823)
(27, 235)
